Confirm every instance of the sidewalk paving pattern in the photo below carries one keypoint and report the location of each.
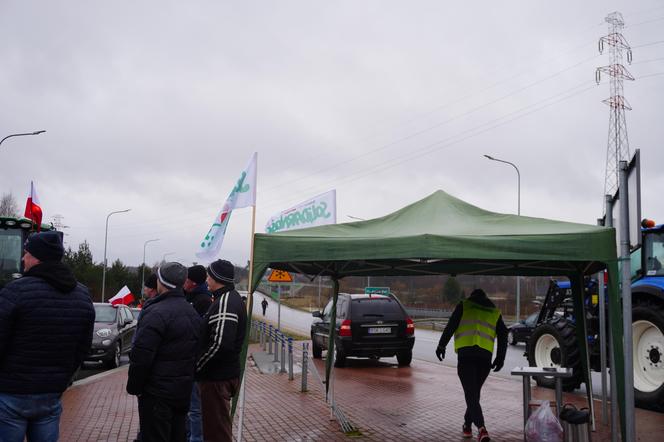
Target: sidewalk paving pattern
(386, 403)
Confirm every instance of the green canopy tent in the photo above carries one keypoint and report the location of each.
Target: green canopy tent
(441, 234)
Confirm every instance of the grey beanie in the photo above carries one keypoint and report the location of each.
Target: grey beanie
(172, 274)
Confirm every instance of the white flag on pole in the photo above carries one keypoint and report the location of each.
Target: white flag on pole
(242, 195)
(316, 211)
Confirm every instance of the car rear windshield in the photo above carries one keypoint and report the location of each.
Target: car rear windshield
(105, 313)
(376, 308)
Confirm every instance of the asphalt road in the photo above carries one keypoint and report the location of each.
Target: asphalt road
(425, 341)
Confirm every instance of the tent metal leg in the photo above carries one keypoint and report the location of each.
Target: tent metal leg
(614, 389)
(579, 305)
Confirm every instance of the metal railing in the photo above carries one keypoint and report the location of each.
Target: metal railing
(274, 342)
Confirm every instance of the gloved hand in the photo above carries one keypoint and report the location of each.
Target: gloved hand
(497, 365)
(440, 352)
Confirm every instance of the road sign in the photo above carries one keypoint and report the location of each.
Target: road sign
(280, 276)
(376, 290)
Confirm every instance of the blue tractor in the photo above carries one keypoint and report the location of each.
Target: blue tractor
(553, 342)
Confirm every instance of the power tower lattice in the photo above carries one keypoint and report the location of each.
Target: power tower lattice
(618, 145)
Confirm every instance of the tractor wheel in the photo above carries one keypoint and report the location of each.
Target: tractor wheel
(648, 354)
(554, 344)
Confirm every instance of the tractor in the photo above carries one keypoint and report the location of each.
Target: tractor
(553, 342)
(13, 233)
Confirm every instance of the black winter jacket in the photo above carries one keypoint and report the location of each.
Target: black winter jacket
(476, 351)
(200, 298)
(46, 325)
(163, 356)
(223, 337)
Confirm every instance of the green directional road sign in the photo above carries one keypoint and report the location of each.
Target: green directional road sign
(376, 290)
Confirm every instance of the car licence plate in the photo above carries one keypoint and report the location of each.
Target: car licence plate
(378, 330)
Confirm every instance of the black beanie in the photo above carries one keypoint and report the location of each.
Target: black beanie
(172, 274)
(151, 282)
(222, 271)
(197, 274)
(45, 246)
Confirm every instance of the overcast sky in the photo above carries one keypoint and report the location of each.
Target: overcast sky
(157, 106)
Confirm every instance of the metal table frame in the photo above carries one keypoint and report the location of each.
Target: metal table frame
(528, 372)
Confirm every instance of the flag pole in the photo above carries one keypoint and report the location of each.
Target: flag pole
(250, 305)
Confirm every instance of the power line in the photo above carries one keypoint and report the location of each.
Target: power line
(440, 144)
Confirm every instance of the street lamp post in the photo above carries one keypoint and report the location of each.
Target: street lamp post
(143, 270)
(37, 132)
(103, 278)
(518, 178)
(163, 258)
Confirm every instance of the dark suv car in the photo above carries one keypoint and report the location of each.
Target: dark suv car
(113, 334)
(367, 326)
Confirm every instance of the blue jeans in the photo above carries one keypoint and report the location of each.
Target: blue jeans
(35, 416)
(194, 422)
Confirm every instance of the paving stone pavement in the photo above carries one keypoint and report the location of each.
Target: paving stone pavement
(421, 403)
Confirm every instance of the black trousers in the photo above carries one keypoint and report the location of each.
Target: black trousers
(473, 371)
(161, 421)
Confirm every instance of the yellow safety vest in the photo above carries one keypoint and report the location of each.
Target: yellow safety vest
(477, 326)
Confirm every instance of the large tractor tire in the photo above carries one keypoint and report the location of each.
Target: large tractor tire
(648, 354)
(554, 344)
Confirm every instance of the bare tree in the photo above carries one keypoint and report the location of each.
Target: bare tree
(8, 205)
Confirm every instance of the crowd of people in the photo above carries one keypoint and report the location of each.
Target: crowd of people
(184, 364)
(185, 360)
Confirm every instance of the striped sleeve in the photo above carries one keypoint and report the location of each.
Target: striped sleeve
(222, 328)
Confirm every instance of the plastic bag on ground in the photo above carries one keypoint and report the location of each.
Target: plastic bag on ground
(543, 426)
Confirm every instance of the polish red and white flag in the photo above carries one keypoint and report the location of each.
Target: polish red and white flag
(124, 296)
(33, 209)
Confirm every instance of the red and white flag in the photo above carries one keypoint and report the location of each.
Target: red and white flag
(124, 296)
(33, 210)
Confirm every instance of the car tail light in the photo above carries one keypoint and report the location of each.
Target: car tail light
(344, 330)
(410, 326)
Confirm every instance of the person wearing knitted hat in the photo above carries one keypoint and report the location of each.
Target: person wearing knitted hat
(218, 367)
(163, 357)
(33, 371)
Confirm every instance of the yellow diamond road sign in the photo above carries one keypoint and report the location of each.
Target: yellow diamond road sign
(280, 276)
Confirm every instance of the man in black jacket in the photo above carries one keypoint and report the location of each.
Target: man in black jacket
(162, 360)
(198, 295)
(218, 368)
(475, 323)
(196, 289)
(46, 325)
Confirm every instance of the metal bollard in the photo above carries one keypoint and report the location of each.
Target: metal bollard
(260, 336)
(263, 328)
(276, 345)
(283, 355)
(269, 341)
(305, 358)
(290, 359)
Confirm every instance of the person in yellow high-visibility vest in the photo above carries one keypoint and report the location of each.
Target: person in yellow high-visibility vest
(475, 323)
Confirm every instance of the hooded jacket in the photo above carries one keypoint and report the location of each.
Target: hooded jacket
(476, 351)
(200, 298)
(163, 356)
(46, 325)
(223, 336)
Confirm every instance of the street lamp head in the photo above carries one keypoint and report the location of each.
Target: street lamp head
(489, 157)
(37, 132)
